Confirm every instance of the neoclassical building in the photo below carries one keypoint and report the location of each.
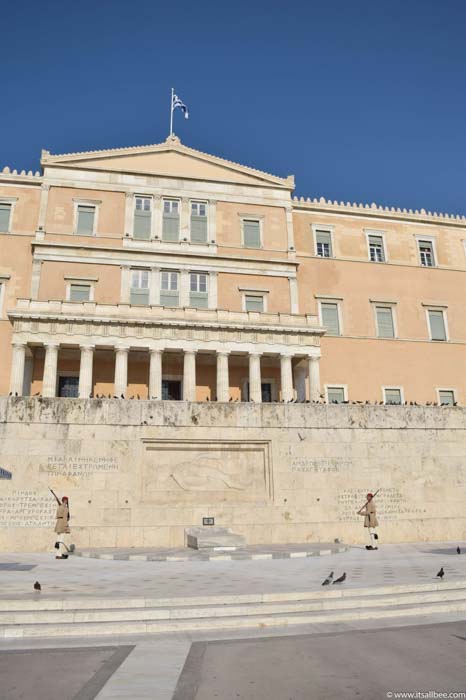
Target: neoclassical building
(162, 272)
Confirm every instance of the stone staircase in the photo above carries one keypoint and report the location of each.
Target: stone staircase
(51, 617)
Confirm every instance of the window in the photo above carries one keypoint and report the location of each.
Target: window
(385, 326)
(198, 222)
(392, 397)
(323, 243)
(335, 394)
(2, 294)
(446, 397)
(171, 220)
(169, 289)
(80, 292)
(142, 218)
(198, 296)
(330, 318)
(139, 295)
(426, 253)
(5, 216)
(254, 302)
(376, 249)
(251, 233)
(436, 324)
(85, 222)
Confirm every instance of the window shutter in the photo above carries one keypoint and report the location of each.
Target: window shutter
(393, 396)
(335, 394)
(85, 221)
(324, 238)
(251, 234)
(80, 292)
(168, 298)
(446, 397)
(437, 325)
(171, 227)
(198, 229)
(142, 224)
(199, 300)
(385, 322)
(139, 297)
(5, 211)
(254, 303)
(330, 318)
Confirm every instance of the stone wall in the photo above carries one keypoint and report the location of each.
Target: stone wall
(138, 472)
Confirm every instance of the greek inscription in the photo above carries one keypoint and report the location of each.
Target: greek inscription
(69, 465)
(319, 466)
(25, 508)
(391, 504)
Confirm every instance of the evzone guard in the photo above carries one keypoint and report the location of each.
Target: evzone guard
(62, 526)
(369, 512)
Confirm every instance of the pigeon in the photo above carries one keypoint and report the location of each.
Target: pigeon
(340, 579)
(328, 580)
(441, 573)
(300, 436)
(37, 586)
(122, 396)
(458, 550)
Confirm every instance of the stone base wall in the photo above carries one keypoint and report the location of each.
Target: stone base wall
(138, 473)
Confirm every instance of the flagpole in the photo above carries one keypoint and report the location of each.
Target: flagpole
(171, 114)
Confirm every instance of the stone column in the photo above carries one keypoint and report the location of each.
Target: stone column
(155, 374)
(223, 380)
(212, 222)
(121, 371)
(189, 376)
(49, 382)
(286, 377)
(314, 378)
(154, 286)
(17, 368)
(294, 295)
(300, 383)
(255, 387)
(44, 197)
(157, 217)
(85, 371)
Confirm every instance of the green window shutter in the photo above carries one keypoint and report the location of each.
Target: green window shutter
(168, 298)
(198, 229)
(393, 396)
(385, 322)
(437, 325)
(324, 244)
(251, 234)
(85, 221)
(170, 227)
(139, 297)
(335, 394)
(142, 225)
(80, 292)
(330, 318)
(5, 212)
(254, 303)
(199, 300)
(446, 397)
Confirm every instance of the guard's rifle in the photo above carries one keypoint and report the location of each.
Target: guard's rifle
(367, 502)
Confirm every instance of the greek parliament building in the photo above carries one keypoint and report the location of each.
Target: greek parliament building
(205, 289)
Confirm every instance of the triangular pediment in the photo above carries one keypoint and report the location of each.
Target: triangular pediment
(168, 159)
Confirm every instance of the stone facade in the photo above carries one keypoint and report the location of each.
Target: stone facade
(138, 473)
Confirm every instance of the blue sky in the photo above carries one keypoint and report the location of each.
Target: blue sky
(361, 101)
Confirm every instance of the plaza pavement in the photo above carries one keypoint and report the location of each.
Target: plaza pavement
(152, 668)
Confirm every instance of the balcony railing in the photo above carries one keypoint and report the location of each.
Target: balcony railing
(125, 312)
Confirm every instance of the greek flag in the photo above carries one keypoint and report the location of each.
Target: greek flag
(176, 102)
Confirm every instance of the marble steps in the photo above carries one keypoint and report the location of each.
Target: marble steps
(155, 620)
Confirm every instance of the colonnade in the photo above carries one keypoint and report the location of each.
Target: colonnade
(50, 375)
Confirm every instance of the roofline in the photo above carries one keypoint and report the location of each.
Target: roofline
(172, 143)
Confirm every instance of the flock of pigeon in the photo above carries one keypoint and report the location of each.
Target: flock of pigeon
(321, 401)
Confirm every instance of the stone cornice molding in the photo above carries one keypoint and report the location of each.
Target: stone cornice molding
(376, 211)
